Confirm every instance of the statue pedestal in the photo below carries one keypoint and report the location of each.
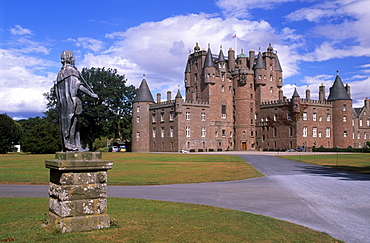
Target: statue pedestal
(78, 191)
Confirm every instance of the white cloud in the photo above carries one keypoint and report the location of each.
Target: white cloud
(240, 8)
(160, 49)
(19, 30)
(341, 25)
(21, 88)
(88, 43)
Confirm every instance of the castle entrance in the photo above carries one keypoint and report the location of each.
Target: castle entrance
(244, 145)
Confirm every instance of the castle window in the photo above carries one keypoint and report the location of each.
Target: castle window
(138, 109)
(223, 111)
(251, 86)
(172, 132)
(358, 135)
(328, 117)
(162, 132)
(360, 123)
(271, 90)
(314, 115)
(153, 117)
(275, 132)
(270, 67)
(223, 133)
(251, 95)
(138, 135)
(162, 117)
(304, 131)
(223, 77)
(345, 134)
(138, 119)
(270, 77)
(368, 123)
(320, 118)
(187, 132)
(314, 132)
(344, 107)
(279, 79)
(364, 135)
(187, 115)
(252, 121)
(216, 134)
(289, 117)
(344, 118)
(327, 132)
(320, 134)
(304, 116)
(203, 117)
(171, 116)
(230, 89)
(223, 88)
(275, 117)
(208, 75)
(259, 76)
(231, 134)
(203, 132)
(264, 76)
(353, 122)
(154, 132)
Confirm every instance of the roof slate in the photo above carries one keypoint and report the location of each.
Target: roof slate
(144, 94)
(338, 91)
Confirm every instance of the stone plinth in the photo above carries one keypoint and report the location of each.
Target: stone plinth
(78, 191)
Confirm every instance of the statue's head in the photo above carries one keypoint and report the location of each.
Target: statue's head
(67, 57)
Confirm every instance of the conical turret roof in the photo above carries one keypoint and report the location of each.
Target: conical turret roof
(338, 91)
(209, 60)
(221, 57)
(187, 69)
(178, 95)
(277, 64)
(144, 94)
(295, 94)
(260, 63)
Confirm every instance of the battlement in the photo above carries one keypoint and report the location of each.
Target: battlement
(271, 103)
(168, 103)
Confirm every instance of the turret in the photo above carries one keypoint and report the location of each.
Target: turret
(231, 55)
(251, 59)
(308, 93)
(296, 100)
(187, 74)
(279, 72)
(322, 93)
(209, 68)
(342, 113)
(140, 118)
(260, 70)
(221, 61)
(178, 102)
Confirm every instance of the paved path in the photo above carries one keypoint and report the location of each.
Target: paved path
(323, 199)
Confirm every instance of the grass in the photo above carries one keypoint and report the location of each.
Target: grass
(359, 163)
(138, 220)
(136, 168)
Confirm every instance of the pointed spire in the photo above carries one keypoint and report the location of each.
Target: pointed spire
(187, 69)
(295, 94)
(143, 94)
(260, 63)
(338, 91)
(209, 60)
(178, 95)
(221, 57)
(277, 64)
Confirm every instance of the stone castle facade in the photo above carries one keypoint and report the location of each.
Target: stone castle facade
(236, 103)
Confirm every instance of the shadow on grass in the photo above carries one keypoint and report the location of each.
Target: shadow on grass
(340, 171)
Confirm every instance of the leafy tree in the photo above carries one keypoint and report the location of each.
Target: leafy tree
(10, 133)
(40, 136)
(110, 115)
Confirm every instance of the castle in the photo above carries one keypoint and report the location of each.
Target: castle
(236, 103)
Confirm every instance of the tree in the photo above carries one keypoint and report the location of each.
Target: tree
(110, 116)
(40, 136)
(10, 133)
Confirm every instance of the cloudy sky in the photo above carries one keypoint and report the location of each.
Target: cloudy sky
(313, 39)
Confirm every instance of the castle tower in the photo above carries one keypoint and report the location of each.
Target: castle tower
(342, 114)
(140, 118)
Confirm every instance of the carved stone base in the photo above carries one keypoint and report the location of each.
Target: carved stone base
(78, 224)
(78, 191)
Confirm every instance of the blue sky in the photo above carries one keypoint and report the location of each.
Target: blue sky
(313, 40)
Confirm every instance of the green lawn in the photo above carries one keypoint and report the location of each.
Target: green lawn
(137, 168)
(137, 220)
(356, 162)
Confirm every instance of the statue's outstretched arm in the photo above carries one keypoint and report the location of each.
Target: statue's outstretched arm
(88, 92)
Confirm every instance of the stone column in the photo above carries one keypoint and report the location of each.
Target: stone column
(78, 191)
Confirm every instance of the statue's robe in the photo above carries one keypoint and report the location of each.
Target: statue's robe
(69, 107)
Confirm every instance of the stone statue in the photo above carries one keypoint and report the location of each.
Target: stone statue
(69, 83)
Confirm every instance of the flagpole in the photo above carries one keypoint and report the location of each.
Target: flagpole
(236, 44)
